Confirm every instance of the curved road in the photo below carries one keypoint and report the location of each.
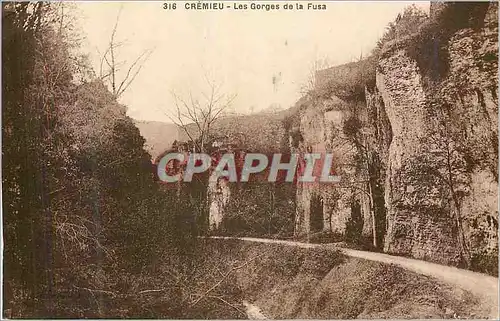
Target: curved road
(481, 285)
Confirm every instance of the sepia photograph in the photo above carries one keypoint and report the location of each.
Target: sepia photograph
(249, 160)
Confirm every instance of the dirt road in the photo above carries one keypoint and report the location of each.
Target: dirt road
(481, 285)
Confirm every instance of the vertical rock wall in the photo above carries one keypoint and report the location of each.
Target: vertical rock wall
(441, 184)
(321, 125)
(430, 127)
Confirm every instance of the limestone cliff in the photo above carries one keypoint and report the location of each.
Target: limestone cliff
(415, 133)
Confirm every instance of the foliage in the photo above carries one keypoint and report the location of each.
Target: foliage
(261, 133)
(297, 138)
(352, 127)
(426, 39)
(366, 178)
(247, 213)
(354, 225)
(31, 95)
(403, 26)
(80, 204)
(346, 81)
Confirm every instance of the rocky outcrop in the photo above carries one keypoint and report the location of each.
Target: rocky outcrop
(219, 195)
(423, 139)
(328, 207)
(441, 184)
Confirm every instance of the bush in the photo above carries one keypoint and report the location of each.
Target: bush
(80, 204)
(354, 226)
(260, 209)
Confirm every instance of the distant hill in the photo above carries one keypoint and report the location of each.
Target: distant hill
(159, 135)
(259, 132)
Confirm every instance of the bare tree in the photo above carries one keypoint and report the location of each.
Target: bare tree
(110, 64)
(200, 112)
(352, 140)
(447, 164)
(311, 82)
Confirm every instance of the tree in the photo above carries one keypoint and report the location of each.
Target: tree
(110, 65)
(37, 74)
(312, 80)
(196, 117)
(447, 163)
(202, 113)
(80, 204)
(404, 25)
(359, 166)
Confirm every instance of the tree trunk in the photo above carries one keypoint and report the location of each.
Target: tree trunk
(461, 235)
(372, 213)
(372, 202)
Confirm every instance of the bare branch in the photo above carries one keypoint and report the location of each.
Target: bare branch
(95, 290)
(126, 81)
(227, 303)
(110, 58)
(177, 120)
(150, 291)
(112, 52)
(218, 283)
(203, 114)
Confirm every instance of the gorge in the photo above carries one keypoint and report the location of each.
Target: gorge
(413, 131)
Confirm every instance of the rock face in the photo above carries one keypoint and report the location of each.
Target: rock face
(327, 207)
(418, 149)
(441, 185)
(219, 194)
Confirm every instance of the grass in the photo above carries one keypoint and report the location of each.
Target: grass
(212, 280)
(287, 282)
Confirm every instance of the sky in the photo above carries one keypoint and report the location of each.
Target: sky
(262, 58)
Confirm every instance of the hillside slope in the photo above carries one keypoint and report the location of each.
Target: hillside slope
(288, 282)
(159, 136)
